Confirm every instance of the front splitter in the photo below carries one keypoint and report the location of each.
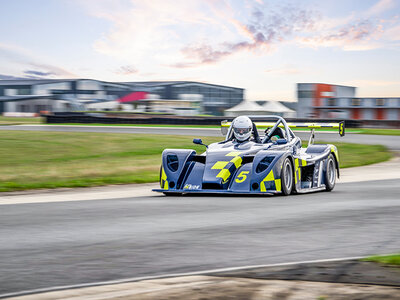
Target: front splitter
(215, 192)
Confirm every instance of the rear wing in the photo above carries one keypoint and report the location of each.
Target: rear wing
(339, 126)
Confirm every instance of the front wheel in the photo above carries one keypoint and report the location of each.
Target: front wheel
(287, 177)
(330, 174)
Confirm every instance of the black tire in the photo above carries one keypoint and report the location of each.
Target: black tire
(330, 173)
(287, 177)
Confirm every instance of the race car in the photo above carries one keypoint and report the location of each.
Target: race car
(246, 162)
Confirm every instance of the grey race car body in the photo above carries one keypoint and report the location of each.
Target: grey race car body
(274, 163)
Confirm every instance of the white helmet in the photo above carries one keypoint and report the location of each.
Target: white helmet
(242, 127)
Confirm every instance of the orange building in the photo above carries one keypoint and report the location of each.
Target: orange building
(329, 101)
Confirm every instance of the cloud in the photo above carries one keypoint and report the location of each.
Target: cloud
(126, 70)
(10, 77)
(380, 7)
(262, 31)
(140, 28)
(361, 31)
(21, 59)
(38, 73)
(187, 34)
(353, 36)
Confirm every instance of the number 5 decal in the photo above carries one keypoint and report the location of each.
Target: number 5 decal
(242, 176)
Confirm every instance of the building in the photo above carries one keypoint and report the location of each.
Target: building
(215, 99)
(317, 100)
(87, 94)
(57, 95)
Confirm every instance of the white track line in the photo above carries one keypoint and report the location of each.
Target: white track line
(80, 194)
(205, 272)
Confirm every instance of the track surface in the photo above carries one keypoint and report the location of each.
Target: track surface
(53, 244)
(392, 142)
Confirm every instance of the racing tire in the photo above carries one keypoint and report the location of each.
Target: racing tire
(330, 173)
(287, 177)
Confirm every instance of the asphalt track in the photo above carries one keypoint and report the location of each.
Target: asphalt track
(392, 142)
(63, 243)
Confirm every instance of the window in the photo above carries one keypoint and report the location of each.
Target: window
(23, 108)
(380, 102)
(23, 91)
(88, 85)
(332, 102)
(305, 94)
(355, 102)
(327, 94)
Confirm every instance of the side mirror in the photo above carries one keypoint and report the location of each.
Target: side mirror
(281, 141)
(199, 142)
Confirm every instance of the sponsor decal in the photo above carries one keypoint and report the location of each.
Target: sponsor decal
(191, 187)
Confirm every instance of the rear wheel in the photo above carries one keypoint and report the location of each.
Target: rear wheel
(287, 177)
(330, 174)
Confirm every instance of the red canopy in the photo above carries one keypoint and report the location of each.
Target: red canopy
(135, 96)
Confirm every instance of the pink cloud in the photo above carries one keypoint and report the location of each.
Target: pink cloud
(262, 32)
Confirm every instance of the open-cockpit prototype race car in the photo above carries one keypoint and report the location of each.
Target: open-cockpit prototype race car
(272, 164)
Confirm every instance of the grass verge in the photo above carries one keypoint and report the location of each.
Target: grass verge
(31, 160)
(393, 259)
(377, 131)
(380, 131)
(20, 120)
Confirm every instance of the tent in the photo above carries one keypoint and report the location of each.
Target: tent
(277, 108)
(251, 108)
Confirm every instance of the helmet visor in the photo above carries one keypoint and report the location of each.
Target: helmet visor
(242, 131)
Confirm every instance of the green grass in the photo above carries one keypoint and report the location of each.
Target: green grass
(379, 131)
(20, 120)
(354, 155)
(373, 131)
(141, 125)
(393, 259)
(31, 160)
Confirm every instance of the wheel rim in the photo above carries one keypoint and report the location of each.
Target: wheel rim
(331, 172)
(288, 176)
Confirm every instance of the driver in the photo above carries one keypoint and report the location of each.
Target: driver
(242, 128)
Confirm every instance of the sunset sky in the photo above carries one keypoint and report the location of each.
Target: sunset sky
(264, 46)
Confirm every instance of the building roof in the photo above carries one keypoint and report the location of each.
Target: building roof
(32, 81)
(348, 86)
(158, 83)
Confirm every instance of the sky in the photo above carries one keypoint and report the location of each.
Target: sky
(263, 46)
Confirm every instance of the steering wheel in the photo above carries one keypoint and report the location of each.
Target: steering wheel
(267, 135)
